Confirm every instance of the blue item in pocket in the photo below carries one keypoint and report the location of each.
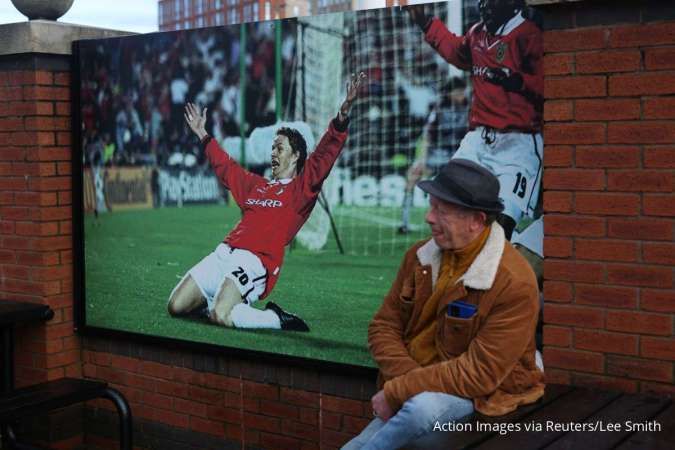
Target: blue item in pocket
(461, 310)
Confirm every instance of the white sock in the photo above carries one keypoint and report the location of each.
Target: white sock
(245, 316)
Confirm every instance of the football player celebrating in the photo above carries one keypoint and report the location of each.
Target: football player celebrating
(503, 53)
(245, 267)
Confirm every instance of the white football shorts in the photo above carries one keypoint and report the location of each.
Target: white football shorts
(241, 266)
(516, 159)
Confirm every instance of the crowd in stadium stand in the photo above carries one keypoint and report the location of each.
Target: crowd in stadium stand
(134, 91)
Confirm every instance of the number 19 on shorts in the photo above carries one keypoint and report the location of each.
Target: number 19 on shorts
(521, 185)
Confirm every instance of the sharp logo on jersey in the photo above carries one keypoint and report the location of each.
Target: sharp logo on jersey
(265, 203)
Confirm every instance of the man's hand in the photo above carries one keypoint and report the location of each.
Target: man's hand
(196, 120)
(512, 82)
(380, 406)
(418, 16)
(353, 88)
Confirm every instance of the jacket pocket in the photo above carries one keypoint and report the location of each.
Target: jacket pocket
(456, 335)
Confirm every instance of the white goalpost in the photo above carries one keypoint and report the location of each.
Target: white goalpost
(319, 92)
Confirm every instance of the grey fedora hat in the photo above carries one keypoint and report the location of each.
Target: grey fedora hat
(465, 183)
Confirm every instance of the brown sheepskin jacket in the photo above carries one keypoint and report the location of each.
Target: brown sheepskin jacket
(490, 357)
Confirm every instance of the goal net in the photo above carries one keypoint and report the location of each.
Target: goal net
(366, 188)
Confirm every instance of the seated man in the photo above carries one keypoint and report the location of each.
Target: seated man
(245, 267)
(456, 331)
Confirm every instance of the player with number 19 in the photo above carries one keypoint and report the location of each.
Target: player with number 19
(503, 53)
(245, 267)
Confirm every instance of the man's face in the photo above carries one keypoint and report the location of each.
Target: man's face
(452, 227)
(283, 159)
(494, 13)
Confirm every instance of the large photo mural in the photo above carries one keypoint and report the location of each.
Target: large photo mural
(253, 186)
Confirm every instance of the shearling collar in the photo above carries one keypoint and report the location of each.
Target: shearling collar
(482, 272)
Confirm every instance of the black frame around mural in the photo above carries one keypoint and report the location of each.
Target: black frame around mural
(79, 292)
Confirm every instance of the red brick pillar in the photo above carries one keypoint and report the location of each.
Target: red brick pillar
(36, 246)
(609, 197)
(35, 217)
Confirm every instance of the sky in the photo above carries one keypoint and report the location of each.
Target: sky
(139, 16)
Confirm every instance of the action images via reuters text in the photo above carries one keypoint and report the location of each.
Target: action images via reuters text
(504, 428)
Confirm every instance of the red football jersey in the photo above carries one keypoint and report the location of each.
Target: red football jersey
(274, 211)
(517, 48)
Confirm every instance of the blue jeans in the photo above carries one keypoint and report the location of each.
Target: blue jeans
(413, 425)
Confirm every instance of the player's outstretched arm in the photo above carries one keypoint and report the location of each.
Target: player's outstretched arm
(454, 49)
(353, 87)
(320, 162)
(196, 120)
(230, 174)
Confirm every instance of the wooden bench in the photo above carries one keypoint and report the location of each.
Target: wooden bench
(40, 398)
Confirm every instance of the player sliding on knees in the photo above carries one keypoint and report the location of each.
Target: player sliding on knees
(245, 267)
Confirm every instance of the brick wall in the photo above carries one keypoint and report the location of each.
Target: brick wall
(36, 227)
(35, 216)
(609, 183)
(180, 398)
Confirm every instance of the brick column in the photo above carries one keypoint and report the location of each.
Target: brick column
(609, 195)
(35, 215)
(35, 190)
(36, 247)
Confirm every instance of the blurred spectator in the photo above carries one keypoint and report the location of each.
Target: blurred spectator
(134, 91)
(129, 131)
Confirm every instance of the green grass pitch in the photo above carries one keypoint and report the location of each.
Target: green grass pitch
(133, 259)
